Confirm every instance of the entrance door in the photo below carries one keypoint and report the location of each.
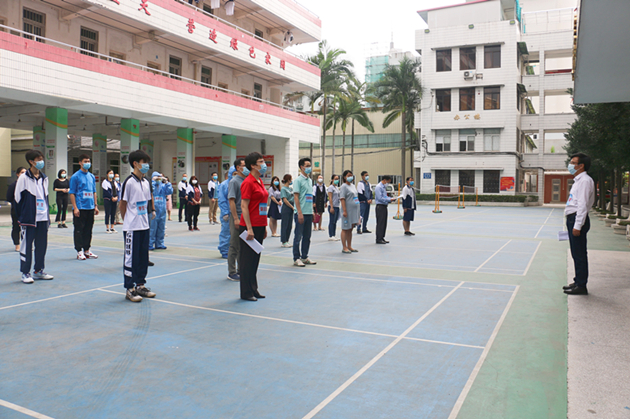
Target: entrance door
(556, 185)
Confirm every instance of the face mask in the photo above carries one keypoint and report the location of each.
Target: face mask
(367, 178)
(87, 166)
(215, 177)
(110, 176)
(411, 183)
(572, 169)
(144, 168)
(308, 170)
(184, 179)
(291, 184)
(117, 179)
(336, 181)
(63, 175)
(245, 171)
(276, 183)
(349, 179)
(194, 182)
(39, 165)
(263, 168)
(163, 180)
(320, 180)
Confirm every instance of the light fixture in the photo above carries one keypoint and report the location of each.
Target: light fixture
(215, 4)
(288, 37)
(229, 7)
(82, 116)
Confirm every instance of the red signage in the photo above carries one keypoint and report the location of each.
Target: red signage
(282, 64)
(507, 184)
(268, 58)
(234, 44)
(252, 53)
(191, 25)
(213, 35)
(144, 5)
(116, 1)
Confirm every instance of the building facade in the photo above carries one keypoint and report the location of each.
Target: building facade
(496, 106)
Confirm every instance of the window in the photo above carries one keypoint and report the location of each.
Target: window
(89, 41)
(443, 100)
(206, 76)
(491, 139)
(467, 99)
(492, 56)
(491, 181)
(491, 98)
(75, 165)
(259, 34)
(117, 57)
(443, 178)
(467, 178)
(468, 58)
(443, 140)
(245, 92)
(175, 67)
(466, 140)
(443, 60)
(154, 66)
(34, 23)
(258, 91)
(114, 165)
(208, 9)
(3, 22)
(223, 86)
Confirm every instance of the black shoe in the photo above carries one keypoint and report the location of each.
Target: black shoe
(250, 298)
(359, 232)
(367, 231)
(64, 226)
(577, 291)
(570, 286)
(258, 295)
(381, 242)
(59, 226)
(151, 263)
(386, 241)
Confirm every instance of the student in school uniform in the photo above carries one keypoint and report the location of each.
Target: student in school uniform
(15, 229)
(194, 193)
(31, 198)
(136, 194)
(110, 200)
(83, 198)
(61, 186)
(182, 186)
(118, 188)
(213, 198)
(409, 205)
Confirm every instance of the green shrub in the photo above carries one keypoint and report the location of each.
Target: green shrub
(484, 198)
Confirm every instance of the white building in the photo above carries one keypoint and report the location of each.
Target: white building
(495, 107)
(189, 84)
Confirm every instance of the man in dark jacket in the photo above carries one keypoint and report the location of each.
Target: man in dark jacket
(15, 230)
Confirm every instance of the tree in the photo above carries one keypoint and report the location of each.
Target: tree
(400, 92)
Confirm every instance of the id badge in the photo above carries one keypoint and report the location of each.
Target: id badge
(356, 200)
(88, 195)
(262, 209)
(141, 206)
(309, 198)
(158, 198)
(41, 206)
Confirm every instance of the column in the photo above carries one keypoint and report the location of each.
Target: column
(184, 154)
(56, 153)
(99, 162)
(147, 146)
(129, 141)
(228, 152)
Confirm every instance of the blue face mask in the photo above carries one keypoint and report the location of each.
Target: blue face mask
(63, 175)
(349, 179)
(572, 169)
(367, 178)
(39, 165)
(411, 183)
(86, 166)
(215, 177)
(263, 168)
(290, 184)
(246, 171)
(144, 168)
(184, 179)
(308, 170)
(336, 181)
(276, 183)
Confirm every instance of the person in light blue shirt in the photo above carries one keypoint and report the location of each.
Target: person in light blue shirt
(382, 201)
(303, 197)
(83, 199)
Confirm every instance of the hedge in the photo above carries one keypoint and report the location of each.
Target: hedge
(484, 198)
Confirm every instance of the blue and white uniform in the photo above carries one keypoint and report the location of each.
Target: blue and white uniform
(160, 192)
(408, 202)
(137, 194)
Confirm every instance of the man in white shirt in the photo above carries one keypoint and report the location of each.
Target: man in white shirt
(581, 199)
(181, 187)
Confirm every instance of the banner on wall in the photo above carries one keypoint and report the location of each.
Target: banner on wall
(507, 184)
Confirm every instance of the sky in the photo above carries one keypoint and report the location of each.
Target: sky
(356, 25)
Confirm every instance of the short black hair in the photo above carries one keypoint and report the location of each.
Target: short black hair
(387, 177)
(84, 157)
(237, 163)
(251, 159)
(410, 177)
(363, 173)
(31, 155)
(214, 173)
(60, 172)
(138, 156)
(19, 169)
(345, 174)
(583, 159)
(303, 161)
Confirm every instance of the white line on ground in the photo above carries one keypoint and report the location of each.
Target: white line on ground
(493, 255)
(541, 227)
(532, 259)
(462, 397)
(23, 410)
(450, 219)
(153, 255)
(373, 361)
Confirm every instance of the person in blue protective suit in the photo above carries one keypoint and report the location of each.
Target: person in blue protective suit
(161, 189)
(224, 207)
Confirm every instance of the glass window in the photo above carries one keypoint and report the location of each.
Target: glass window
(467, 58)
(208, 9)
(443, 140)
(467, 99)
(491, 139)
(259, 34)
(467, 178)
(492, 56)
(443, 178)
(491, 98)
(154, 66)
(466, 140)
(89, 41)
(491, 181)
(117, 57)
(34, 23)
(443, 100)
(206, 76)
(175, 67)
(443, 60)
(258, 91)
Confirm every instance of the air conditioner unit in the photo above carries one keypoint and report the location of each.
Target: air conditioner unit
(469, 75)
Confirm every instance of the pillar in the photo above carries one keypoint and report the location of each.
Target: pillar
(228, 152)
(129, 141)
(99, 162)
(147, 146)
(184, 154)
(56, 152)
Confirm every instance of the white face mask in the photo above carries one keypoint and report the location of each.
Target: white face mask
(194, 182)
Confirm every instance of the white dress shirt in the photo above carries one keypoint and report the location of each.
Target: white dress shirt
(581, 199)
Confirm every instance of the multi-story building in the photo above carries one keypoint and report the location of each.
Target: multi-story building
(193, 85)
(496, 75)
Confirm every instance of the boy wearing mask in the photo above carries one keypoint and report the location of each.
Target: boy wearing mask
(83, 199)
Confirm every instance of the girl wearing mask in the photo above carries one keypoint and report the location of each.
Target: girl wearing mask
(119, 189)
(15, 230)
(319, 203)
(409, 205)
(287, 210)
(349, 198)
(275, 203)
(61, 186)
(110, 200)
(333, 207)
(194, 202)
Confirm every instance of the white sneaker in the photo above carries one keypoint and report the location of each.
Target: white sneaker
(90, 255)
(107, 231)
(333, 239)
(286, 245)
(81, 255)
(27, 279)
(299, 263)
(307, 261)
(42, 275)
(113, 231)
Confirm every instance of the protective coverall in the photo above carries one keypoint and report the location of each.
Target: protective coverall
(160, 192)
(224, 206)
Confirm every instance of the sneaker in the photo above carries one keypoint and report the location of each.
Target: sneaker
(42, 275)
(234, 277)
(190, 229)
(59, 226)
(107, 231)
(359, 232)
(113, 231)
(334, 239)
(132, 295)
(64, 226)
(307, 261)
(145, 292)
(161, 247)
(299, 263)
(27, 279)
(90, 255)
(151, 248)
(81, 255)
(196, 229)
(286, 245)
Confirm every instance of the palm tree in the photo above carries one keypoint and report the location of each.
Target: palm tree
(362, 93)
(400, 91)
(350, 109)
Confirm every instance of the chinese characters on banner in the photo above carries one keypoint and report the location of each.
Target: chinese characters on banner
(191, 25)
(507, 184)
(144, 5)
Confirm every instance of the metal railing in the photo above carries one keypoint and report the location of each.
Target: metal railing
(155, 71)
(553, 20)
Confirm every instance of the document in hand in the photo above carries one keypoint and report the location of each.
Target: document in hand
(563, 236)
(254, 244)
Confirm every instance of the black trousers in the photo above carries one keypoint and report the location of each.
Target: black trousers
(183, 208)
(15, 229)
(136, 264)
(248, 261)
(110, 211)
(62, 208)
(192, 214)
(83, 230)
(578, 250)
(39, 236)
(381, 222)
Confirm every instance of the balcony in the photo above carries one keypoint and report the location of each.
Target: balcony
(548, 161)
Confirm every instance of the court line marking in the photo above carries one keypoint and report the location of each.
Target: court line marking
(493, 255)
(373, 361)
(322, 326)
(23, 410)
(543, 225)
(473, 375)
(532, 259)
(98, 288)
(197, 259)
